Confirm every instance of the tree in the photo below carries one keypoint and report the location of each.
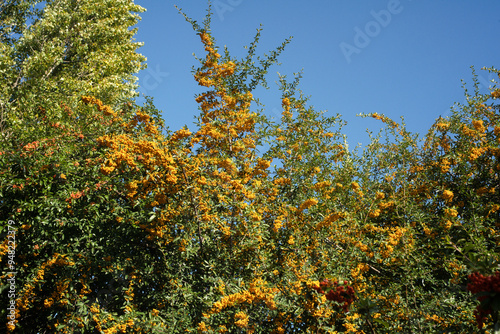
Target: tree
(70, 48)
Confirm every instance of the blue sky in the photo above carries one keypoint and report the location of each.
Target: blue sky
(399, 58)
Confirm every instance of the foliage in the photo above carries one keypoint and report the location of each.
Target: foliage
(66, 213)
(68, 49)
(123, 226)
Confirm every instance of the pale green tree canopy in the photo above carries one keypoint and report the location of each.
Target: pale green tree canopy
(71, 48)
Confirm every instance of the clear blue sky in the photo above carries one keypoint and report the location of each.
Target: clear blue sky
(400, 58)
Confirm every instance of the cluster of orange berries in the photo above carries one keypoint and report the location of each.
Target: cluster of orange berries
(341, 293)
(489, 289)
(31, 146)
